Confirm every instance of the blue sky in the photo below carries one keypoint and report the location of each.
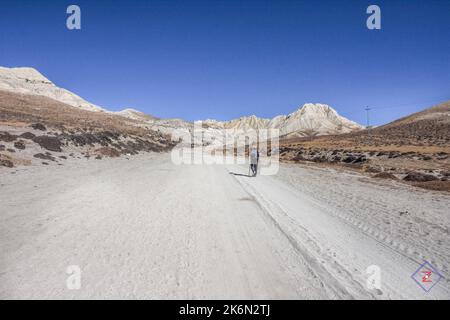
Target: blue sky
(224, 59)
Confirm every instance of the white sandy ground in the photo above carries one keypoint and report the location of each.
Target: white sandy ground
(146, 228)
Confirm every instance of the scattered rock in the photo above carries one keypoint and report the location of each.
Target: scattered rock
(28, 135)
(49, 143)
(359, 159)
(38, 126)
(11, 150)
(63, 157)
(45, 163)
(6, 163)
(19, 145)
(2, 147)
(372, 169)
(354, 159)
(393, 155)
(7, 137)
(108, 152)
(44, 156)
(103, 138)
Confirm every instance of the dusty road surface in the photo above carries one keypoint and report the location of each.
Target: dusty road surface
(146, 228)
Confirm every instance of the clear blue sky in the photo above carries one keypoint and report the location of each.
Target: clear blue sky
(224, 59)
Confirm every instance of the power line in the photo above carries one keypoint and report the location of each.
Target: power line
(368, 123)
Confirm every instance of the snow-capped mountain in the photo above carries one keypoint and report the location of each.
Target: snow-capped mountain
(31, 81)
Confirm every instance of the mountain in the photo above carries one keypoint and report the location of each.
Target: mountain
(309, 120)
(430, 127)
(135, 115)
(31, 81)
(35, 128)
(418, 141)
(313, 119)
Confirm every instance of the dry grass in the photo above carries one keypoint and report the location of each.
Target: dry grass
(427, 131)
(419, 142)
(22, 110)
(434, 185)
(16, 161)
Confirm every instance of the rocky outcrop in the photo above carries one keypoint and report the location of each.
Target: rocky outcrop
(324, 156)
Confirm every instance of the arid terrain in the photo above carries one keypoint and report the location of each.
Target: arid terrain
(414, 149)
(144, 227)
(87, 187)
(39, 129)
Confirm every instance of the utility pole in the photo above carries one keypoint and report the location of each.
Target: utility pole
(368, 124)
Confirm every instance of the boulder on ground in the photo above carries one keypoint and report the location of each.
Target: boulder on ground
(19, 145)
(107, 152)
(385, 175)
(38, 126)
(7, 137)
(44, 156)
(6, 163)
(419, 177)
(49, 143)
(441, 156)
(28, 135)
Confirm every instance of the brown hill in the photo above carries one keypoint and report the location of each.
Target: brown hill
(430, 127)
(419, 142)
(428, 131)
(32, 124)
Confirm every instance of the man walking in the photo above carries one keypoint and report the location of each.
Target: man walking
(254, 159)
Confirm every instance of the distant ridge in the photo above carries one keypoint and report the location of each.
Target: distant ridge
(309, 120)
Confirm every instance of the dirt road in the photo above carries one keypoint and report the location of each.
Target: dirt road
(146, 228)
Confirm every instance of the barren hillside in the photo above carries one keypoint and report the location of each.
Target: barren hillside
(32, 127)
(415, 148)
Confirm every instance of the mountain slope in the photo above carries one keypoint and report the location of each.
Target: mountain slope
(316, 119)
(135, 114)
(428, 127)
(35, 128)
(310, 119)
(31, 81)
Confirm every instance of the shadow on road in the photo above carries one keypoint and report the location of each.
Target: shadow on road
(239, 174)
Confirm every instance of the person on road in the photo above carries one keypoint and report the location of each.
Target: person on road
(254, 159)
